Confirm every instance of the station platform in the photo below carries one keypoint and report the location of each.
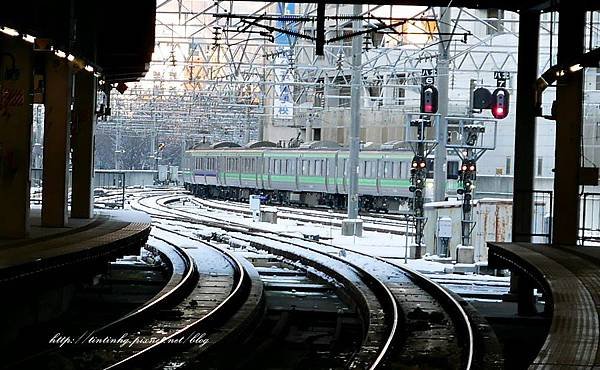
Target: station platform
(569, 279)
(73, 248)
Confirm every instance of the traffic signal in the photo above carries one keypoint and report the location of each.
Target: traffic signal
(482, 98)
(429, 99)
(418, 163)
(467, 174)
(500, 103)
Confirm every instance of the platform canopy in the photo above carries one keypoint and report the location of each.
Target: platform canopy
(115, 35)
(514, 5)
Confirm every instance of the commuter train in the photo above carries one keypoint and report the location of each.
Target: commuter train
(305, 176)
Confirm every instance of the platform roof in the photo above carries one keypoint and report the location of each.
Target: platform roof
(116, 35)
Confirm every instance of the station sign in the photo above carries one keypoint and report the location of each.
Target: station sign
(501, 77)
(428, 76)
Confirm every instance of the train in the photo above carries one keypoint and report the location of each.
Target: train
(308, 176)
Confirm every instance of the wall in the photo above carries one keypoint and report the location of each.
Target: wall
(493, 223)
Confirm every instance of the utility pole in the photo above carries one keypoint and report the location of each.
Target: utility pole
(439, 165)
(353, 226)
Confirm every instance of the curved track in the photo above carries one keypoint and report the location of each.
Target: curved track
(438, 309)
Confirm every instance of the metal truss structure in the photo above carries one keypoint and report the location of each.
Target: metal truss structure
(220, 67)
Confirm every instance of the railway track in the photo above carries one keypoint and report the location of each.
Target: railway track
(431, 317)
(391, 224)
(227, 297)
(187, 316)
(183, 275)
(375, 301)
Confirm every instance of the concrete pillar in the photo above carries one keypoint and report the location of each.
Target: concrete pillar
(82, 142)
(569, 113)
(56, 141)
(529, 23)
(525, 298)
(16, 118)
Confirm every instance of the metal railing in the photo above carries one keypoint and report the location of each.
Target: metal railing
(589, 225)
(541, 216)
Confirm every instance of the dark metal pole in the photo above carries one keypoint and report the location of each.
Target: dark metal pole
(569, 114)
(524, 157)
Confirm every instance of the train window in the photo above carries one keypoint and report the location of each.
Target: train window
(429, 168)
(287, 166)
(398, 169)
(452, 170)
(318, 164)
(369, 169)
(345, 167)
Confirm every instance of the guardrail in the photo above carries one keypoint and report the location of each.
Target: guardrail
(541, 216)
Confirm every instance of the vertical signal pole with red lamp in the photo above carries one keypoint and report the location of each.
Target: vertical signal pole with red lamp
(473, 137)
(417, 136)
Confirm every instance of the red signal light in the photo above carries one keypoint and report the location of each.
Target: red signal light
(429, 99)
(500, 101)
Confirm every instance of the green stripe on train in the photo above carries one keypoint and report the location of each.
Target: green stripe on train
(321, 180)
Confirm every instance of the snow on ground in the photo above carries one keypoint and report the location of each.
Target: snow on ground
(385, 245)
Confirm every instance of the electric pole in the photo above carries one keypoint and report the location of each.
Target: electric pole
(353, 226)
(439, 165)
